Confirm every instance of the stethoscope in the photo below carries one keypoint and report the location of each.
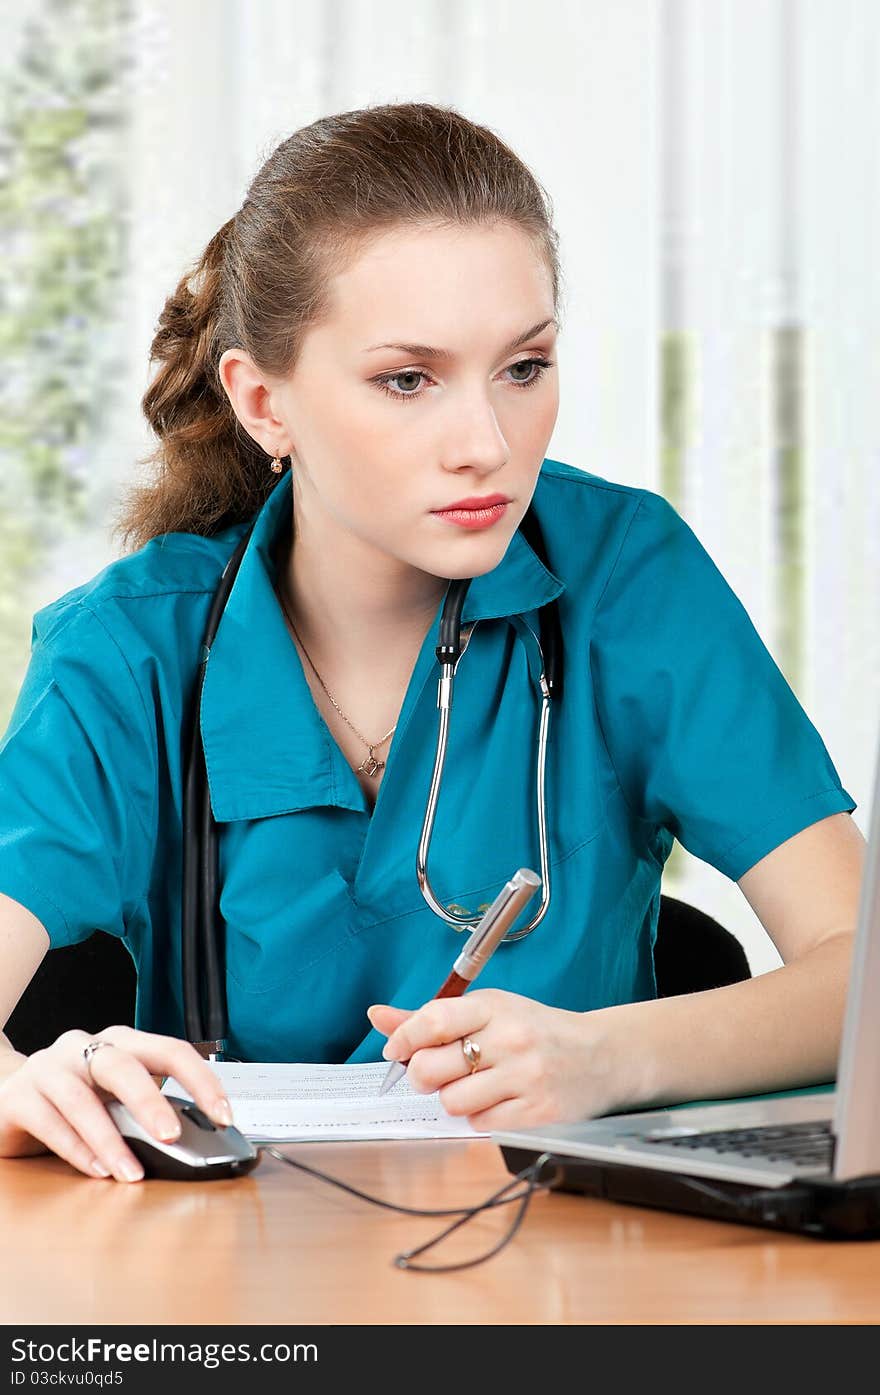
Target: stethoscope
(202, 929)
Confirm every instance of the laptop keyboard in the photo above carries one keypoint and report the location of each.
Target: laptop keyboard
(807, 1145)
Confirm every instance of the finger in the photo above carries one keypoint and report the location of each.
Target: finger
(78, 1104)
(385, 1019)
(160, 1055)
(479, 1094)
(38, 1117)
(440, 1021)
(506, 1114)
(432, 1067)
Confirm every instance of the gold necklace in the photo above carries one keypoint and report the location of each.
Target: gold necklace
(370, 766)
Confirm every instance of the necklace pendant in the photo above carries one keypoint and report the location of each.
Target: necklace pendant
(370, 766)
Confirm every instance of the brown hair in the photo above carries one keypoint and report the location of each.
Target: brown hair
(260, 284)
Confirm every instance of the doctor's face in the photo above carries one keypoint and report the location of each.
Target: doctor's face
(383, 437)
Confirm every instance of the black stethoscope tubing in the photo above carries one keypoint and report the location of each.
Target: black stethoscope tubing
(202, 930)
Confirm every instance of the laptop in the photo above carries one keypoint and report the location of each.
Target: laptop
(806, 1161)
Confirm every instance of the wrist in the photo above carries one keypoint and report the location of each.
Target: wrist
(616, 1042)
(10, 1061)
(633, 1062)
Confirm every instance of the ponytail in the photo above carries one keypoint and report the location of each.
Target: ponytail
(207, 472)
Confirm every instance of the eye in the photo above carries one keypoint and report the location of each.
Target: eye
(540, 365)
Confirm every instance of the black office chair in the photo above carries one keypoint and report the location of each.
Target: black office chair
(92, 984)
(88, 985)
(692, 951)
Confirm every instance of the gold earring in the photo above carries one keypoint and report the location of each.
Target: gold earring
(276, 467)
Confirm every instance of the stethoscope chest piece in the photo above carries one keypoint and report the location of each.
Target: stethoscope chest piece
(453, 643)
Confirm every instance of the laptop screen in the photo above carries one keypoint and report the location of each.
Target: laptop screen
(857, 1100)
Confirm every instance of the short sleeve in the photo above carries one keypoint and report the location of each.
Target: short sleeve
(706, 736)
(77, 782)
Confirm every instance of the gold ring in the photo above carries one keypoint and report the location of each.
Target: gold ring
(472, 1053)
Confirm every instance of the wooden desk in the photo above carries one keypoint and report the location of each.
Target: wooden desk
(279, 1246)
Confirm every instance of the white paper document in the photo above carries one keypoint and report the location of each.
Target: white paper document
(276, 1102)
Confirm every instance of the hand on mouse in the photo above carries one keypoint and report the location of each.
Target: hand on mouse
(54, 1101)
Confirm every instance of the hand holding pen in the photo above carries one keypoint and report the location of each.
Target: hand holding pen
(479, 948)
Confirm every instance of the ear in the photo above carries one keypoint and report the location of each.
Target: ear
(250, 396)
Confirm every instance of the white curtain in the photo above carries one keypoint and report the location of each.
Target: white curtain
(715, 177)
(770, 200)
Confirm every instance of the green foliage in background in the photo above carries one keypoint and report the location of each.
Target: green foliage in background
(62, 236)
(790, 517)
(676, 417)
(678, 370)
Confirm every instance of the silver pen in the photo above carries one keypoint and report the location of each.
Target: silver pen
(481, 944)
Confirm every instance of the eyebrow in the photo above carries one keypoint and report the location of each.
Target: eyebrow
(427, 351)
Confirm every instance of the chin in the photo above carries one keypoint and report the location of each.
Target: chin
(482, 561)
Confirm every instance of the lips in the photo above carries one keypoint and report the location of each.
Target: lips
(474, 503)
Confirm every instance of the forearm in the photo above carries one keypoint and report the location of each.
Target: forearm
(777, 1031)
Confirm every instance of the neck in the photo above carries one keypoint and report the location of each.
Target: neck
(352, 605)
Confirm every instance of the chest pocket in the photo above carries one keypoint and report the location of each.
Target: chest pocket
(286, 904)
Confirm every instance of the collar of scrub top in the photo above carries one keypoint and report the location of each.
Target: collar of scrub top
(254, 768)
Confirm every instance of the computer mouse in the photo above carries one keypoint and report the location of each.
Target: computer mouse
(203, 1151)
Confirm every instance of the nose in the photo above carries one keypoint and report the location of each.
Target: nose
(476, 438)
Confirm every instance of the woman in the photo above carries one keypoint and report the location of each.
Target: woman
(403, 257)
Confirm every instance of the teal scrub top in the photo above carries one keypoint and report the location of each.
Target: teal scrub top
(675, 723)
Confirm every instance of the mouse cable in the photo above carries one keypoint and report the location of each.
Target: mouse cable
(390, 1205)
(531, 1175)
